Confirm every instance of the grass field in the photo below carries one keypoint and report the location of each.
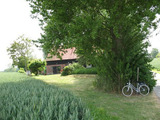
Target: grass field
(24, 97)
(156, 63)
(104, 106)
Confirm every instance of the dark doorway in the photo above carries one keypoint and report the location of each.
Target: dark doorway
(56, 69)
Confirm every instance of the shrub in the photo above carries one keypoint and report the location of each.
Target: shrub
(76, 66)
(37, 66)
(67, 71)
(70, 68)
(85, 71)
(31, 99)
(21, 70)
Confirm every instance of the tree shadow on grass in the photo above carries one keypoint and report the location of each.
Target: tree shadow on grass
(110, 104)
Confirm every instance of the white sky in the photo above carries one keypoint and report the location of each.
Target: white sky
(15, 20)
(155, 39)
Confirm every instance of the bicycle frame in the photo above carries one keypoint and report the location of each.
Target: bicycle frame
(134, 88)
(141, 88)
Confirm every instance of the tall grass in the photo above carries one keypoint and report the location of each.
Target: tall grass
(24, 98)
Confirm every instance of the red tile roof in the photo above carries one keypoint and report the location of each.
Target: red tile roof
(68, 55)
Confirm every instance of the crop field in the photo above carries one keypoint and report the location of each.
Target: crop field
(24, 98)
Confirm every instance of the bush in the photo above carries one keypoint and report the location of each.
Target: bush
(76, 66)
(21, 70)
(37, 66)
(85, 71)
(70, 68)
(67, 71)
(32, 99)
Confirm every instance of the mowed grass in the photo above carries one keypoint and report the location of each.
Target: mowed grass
(105, 106)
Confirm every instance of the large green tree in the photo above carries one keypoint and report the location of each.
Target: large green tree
(20, 52)
(112, 34)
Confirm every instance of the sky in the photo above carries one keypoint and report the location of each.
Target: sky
(154, 39)
(15, 20)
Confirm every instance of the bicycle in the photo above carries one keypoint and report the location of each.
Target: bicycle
(141, 88)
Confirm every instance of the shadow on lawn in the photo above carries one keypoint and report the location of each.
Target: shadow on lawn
(114, 106)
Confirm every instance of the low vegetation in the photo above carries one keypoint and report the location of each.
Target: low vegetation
(11, 69)
(76, 68)
(36, 66)
(21, 70)
(85, 71)
(105, 106)
(24, 98)
(156, 63)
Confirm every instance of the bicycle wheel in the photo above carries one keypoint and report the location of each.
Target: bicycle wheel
(127, 91)
(144, 90)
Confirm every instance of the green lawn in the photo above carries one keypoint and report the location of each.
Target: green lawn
(106, 106)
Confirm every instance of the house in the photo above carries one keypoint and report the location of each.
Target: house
(55, 65)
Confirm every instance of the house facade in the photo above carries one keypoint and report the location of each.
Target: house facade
(55, 65)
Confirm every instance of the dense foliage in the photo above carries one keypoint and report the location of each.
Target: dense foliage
(21, 70)
(85, 71)
(111, 34)
(68, 70)
(76, 68)
(20, 52)
(24, 98)
(36, 66)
